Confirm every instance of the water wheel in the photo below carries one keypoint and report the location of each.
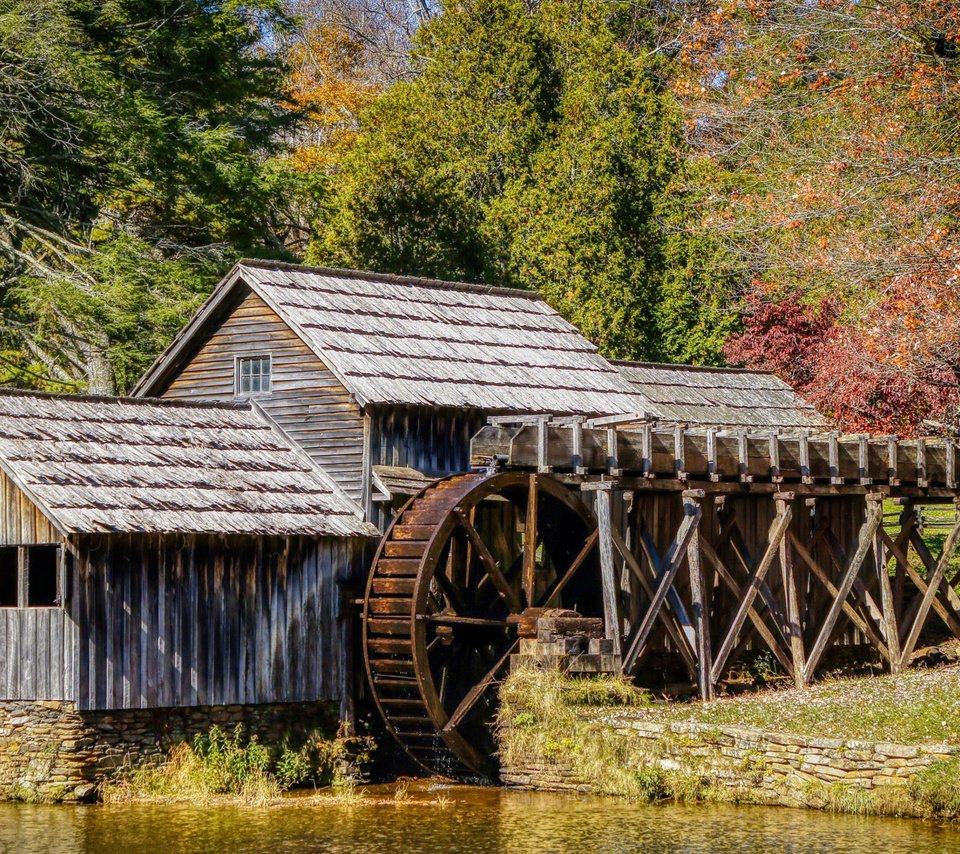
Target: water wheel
(459, 567)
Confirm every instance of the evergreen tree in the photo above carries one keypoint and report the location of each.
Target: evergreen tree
(534, 148)
(130, 123)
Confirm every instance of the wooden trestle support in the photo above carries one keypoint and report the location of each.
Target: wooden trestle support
(702, 544)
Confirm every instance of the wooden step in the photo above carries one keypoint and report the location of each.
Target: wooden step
(402, 548)
(402, 645)
(388, 627)
(394, 605)
(412, 532)
(391, 666)
(394, 586)
(398, 566)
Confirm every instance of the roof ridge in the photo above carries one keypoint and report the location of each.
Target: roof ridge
(236, 405)
(394, 278)
(707, 369)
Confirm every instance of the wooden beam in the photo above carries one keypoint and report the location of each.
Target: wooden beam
(700, 605)
(865, 541)
(778, 529)
(609, 577)
(889, 625)
(852, 614)
(792, 603)
(759, 625)
(529, 576)
(675, 620)
(557, 587)
(933, 583)
(673, 561)
(474, 694)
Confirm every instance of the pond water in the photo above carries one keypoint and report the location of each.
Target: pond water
(471, 820)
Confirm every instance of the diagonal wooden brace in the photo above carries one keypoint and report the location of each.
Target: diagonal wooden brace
(778, 530)
(673, 560)
(933, 585)
(865, 541)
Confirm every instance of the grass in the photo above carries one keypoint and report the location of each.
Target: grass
(912, 708)
(229, 766)
(574, 724)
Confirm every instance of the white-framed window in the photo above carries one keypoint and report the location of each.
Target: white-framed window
(252, 375)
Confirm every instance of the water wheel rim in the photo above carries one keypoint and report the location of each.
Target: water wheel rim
(443, 501)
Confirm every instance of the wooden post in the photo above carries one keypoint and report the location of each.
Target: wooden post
(888, 624)
(613, 454)
(543, 446)
(834, 459)
(774, 450)
(699, 596)
(743, 452)
(863, 460)
(791, 596)
(865, 542)
(530, 544)
(892, 461)
(712, 454)
(577, 428)
(609, 579)
(805, 476)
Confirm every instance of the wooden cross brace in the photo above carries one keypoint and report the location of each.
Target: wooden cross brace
(667, 568)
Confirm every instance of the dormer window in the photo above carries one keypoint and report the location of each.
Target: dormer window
(252, 375)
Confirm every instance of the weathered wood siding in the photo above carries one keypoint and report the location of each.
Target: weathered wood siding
(306, 399)
(38, 654)
(21, 523)
(433, 440)
(207, 620)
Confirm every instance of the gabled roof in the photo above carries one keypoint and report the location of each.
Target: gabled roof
(97, 464)
(399, 340)
(724, 397)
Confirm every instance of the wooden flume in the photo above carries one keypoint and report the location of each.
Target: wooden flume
(700, 544)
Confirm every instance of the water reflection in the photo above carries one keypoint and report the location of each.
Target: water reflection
(474, 820)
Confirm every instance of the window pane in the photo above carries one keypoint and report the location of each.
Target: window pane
(253, 374)
(8, 577)
(43, 569)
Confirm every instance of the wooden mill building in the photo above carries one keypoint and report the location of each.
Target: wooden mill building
(200, 546)
(156, 554)
(383, 379)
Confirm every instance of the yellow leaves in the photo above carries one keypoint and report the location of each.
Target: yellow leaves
(330, 85)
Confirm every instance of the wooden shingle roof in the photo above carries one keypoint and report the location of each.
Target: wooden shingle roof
(717, 396)
(398, 340)
(141, 465)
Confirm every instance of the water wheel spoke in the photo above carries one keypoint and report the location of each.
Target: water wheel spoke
(458, 620)
(557, 587)
(454, 598)
(477, 691)
(490, 565)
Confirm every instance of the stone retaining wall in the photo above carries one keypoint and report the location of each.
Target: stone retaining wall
(774, 767)
(50, 750)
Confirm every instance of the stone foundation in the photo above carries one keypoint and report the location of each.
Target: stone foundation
(773, 767)
(49, 750)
